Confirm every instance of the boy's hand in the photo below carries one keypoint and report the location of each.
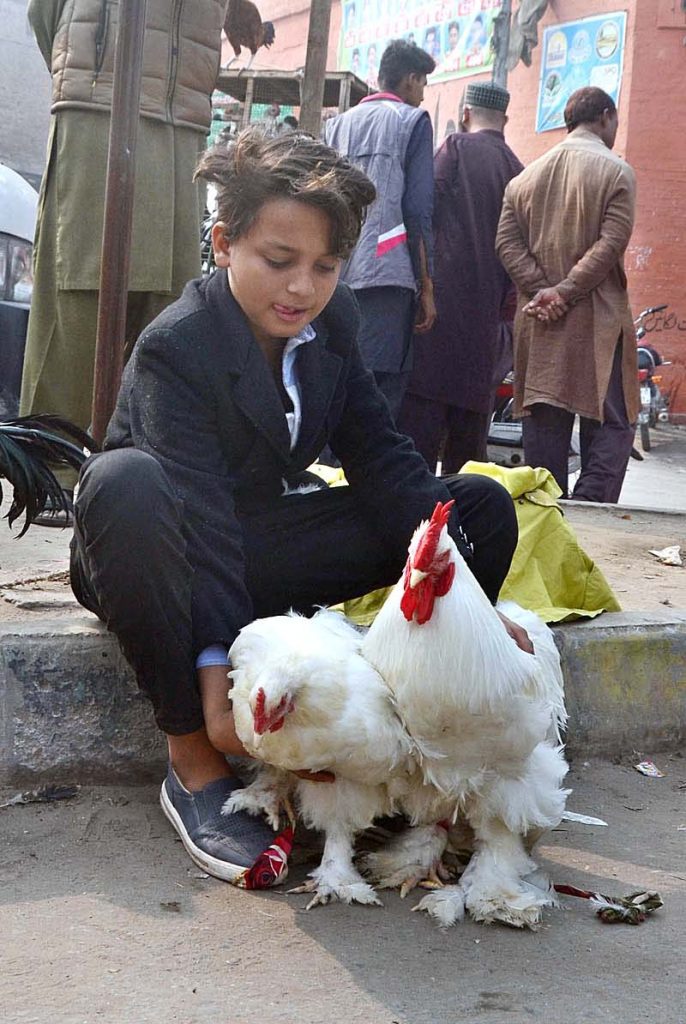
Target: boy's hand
(315, 776)
(518, 634)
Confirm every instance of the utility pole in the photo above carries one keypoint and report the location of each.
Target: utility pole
(501, 42)
(312, 92)
(116, 240)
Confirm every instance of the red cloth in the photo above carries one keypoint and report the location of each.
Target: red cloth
(271, 867)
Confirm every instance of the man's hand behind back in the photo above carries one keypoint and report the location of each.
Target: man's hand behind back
(547, 306)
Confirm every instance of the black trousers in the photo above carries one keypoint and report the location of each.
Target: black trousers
(605, 447)
(385, 339)
(461, 433)
(129, 565)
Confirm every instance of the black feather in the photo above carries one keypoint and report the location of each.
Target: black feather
(269, 33)
(29, 447)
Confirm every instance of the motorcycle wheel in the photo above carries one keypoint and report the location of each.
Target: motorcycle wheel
(645, 437)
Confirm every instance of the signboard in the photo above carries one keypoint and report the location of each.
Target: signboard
(576, 54)
(457, 34)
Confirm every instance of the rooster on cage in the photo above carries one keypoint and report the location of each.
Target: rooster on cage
(30, 447)
(486, 719)
(244, 27)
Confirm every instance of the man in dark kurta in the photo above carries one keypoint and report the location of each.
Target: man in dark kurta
(451, 392)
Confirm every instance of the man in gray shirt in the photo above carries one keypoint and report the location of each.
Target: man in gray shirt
(391, 139)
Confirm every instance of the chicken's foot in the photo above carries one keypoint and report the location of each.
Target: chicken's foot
(337, 878)
(412, 858)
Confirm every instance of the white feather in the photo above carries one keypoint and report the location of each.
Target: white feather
(446, 905)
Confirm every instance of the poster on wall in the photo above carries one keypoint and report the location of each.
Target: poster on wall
(576, 54)
(457, 34)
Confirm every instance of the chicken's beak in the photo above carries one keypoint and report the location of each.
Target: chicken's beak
(416, 577)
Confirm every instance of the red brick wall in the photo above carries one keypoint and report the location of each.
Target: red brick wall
(656, 149)
(652, 137)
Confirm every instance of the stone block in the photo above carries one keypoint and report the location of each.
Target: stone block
(625, 682)
(70, 708)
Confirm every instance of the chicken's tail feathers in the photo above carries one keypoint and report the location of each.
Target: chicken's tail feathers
(52, 424)
(29, 447)
(269, 33)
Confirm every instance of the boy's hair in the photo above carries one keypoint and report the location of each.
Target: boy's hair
(401, 58)
(586, 106)
(254, 168)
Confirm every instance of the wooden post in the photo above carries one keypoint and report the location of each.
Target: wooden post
(501, 43)
(344, 95)
(315, 67)
(116, 239)
(247, 104)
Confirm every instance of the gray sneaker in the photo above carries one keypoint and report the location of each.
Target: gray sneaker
(222, 845)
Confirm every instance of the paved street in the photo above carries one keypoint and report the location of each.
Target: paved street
(105, 919)
(660, 480)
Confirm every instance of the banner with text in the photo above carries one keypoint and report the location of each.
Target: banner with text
(457, 34)
(577, 54)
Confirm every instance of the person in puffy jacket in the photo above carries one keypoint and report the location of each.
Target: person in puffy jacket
(181, 53)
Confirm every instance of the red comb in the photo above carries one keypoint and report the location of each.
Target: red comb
(426, 549)
(259, 720)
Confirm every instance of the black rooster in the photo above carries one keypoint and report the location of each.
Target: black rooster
(29, 447)
(244, 27)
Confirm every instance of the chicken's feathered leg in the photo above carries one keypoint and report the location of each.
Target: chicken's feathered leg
(268, 794)
(494, 883)
(340, 809)
(501, 881)
(409, 859)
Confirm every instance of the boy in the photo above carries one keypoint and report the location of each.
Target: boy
(183, 530)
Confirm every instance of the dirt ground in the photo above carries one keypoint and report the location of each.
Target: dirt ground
(34, 576)
(105, 919)
(620, 541)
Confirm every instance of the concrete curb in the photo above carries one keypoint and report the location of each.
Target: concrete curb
(70, 708)
(625, 682)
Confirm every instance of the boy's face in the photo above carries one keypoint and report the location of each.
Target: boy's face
(281, 272)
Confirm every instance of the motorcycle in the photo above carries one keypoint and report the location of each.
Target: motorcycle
(505, 440)
(210, 216)
(653, 403)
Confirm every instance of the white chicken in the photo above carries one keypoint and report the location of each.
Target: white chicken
(485, 717)
(304, 698)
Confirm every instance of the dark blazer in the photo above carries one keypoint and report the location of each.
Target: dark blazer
(198, 395)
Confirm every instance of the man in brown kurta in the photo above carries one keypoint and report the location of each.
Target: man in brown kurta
(452, 388)
(565, 224)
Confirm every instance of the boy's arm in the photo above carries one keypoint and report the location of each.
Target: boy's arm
(426, 314)
(172, 417)
(390, 476)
